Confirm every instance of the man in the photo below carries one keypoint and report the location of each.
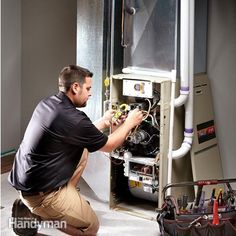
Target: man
(52, 155)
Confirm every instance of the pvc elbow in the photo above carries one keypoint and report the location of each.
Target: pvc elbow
(183, 150)
(181, 100)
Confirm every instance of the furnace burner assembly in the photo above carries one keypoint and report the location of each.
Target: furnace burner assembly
(143, 140)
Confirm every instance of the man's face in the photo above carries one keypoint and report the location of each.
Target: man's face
(84, 93)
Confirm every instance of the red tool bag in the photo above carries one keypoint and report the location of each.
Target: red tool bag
(202, 217)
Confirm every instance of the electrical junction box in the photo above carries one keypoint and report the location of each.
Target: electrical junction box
(139, 165)
(137, 88)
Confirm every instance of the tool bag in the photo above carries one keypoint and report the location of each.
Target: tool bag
(201, 218)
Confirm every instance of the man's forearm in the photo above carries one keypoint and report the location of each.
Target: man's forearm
(100, 124)
(117, 138)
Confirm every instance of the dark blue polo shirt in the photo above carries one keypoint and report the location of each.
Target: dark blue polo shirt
(53, 144)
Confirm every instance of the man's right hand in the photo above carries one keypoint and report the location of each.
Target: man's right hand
(117, 138)
(134, 118)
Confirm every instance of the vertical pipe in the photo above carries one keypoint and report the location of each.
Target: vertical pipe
(184, 55)
(189, 104)
(171, 129)
(184, 43)
(184, 65)
(186, 73)
(187, 58)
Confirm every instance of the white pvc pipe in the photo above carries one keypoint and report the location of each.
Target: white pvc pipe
(184, 42)
(184, 52)
(187, 51)
(180, 100)
(184, 64)
(189, 104)
(186, 90)
(183, 150)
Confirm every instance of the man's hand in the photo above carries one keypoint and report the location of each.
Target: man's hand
(117, 138)
(134, 118)
(107, 118)
(105, 121)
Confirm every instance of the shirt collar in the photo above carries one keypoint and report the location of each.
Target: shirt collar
(64, 98)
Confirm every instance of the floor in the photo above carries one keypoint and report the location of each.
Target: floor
(113, 223)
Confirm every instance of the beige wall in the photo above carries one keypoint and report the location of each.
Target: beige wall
(221, 67)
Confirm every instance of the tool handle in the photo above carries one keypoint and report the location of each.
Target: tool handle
(198, 183)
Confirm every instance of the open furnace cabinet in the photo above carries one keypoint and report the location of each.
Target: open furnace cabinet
(139, 166)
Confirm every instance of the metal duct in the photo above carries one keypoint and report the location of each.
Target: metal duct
(90, 46)
(93, 19)
(149, 34)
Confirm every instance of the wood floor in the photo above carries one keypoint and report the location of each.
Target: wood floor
(6, 163)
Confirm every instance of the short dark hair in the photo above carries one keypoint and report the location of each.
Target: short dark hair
(71, 74)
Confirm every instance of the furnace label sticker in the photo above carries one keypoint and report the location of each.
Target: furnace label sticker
(206, 131)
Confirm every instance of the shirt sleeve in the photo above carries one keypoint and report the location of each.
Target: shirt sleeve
(86, 135)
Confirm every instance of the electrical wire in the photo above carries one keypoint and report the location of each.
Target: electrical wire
(147, 142)
(157, 93)
(114, 162)
(149, 109)
(144, 118)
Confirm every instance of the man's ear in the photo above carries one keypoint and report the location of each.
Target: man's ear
(75, 88)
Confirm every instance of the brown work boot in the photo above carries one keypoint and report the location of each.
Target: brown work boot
(24, 223)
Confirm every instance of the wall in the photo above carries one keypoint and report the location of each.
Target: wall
(10, 74)
(48, 44)
(38, 39)
(221, 71)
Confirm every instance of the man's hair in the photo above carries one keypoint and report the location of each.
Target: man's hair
(71, 74)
